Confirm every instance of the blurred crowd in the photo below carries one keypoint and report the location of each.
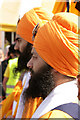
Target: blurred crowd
(11, 54)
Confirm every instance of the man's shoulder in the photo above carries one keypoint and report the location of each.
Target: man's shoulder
(69, 110)
(56, 114)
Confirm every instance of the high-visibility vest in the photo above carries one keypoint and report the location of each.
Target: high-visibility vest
(13, 77)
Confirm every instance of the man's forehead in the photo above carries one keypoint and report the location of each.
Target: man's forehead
(19, 37)
(33, 51)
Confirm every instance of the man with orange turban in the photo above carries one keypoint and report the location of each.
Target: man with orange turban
(24, 30)
(24, 35)
(54, 66)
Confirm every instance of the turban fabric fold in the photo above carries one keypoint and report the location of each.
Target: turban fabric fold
(30, 19)
(57, 43)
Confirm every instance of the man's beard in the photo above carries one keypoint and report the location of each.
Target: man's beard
(40, 84)
(24, 58)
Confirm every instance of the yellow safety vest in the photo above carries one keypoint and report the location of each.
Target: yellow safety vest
(13, 77)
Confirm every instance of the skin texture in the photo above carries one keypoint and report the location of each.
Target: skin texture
(4, 83)
(36, 62)
(24, 58)
(44, 78)
(20, 43)
(41, 83)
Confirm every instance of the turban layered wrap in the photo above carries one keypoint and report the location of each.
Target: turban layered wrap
(29, 20)
(57, 43)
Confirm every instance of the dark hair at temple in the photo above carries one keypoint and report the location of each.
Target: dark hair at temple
(18, 21)
(24, 58)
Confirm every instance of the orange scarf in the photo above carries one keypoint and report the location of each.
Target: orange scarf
(31, 106)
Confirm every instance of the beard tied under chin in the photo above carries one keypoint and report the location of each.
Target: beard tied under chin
(40, 84)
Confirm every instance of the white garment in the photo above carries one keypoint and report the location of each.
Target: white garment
(14, 106)
(21, 105)
(62, 94)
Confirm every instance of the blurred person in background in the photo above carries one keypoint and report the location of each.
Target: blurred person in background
(6, 42)
(10, 79)
(1, 60)
(7, 50)
(1, 55)
(11, 53)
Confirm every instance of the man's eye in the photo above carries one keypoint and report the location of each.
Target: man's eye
(34, 57)
(19, 40)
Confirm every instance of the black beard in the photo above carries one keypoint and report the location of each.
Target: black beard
(24, 58)
(40, 84)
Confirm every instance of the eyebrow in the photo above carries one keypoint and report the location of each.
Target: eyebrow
(17, 38)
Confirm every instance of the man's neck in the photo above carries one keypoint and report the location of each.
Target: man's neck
(60, 79)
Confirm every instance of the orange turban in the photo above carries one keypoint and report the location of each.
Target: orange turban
(29, 20)
(57, 43)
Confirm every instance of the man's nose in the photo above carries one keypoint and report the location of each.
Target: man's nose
(16, 47)
(30, 64)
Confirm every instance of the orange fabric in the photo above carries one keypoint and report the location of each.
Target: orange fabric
(6, 108)
(63, 7)
(59, 7)
(6, 105)
(9, 113)
(73, 8)
(17, 96)
(17, 91)
(57, 43)
(30, 107)
(29, 20)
